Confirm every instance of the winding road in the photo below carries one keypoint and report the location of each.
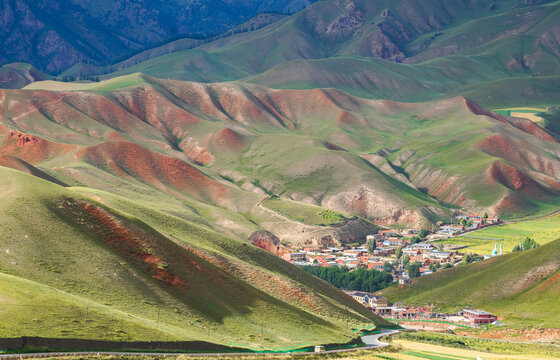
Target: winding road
(370, 341)
(373, 340)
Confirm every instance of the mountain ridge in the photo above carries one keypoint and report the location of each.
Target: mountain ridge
(232, 134)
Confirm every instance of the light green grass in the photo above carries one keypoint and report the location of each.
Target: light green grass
(482, 241)
(488, 347)
(307, 214)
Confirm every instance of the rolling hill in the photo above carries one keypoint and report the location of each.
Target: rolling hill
(18, 75)
(229, 146)
(497, 53)
(63, 252)
(403, 51)
(521, 287)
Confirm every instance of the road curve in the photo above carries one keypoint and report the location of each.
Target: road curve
(370, 341)
(373, 340)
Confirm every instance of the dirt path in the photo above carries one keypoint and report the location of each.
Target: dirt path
(283, 217)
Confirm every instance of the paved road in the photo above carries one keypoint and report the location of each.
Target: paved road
(369, 340)
(373, 340)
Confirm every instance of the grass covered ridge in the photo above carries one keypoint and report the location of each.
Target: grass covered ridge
(64, 248)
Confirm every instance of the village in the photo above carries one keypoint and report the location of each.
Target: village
(395, 251)
(383, 308)
(405, 254)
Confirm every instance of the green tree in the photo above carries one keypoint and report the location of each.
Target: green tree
(447, 266)
(398, 252)
(468, 258)
(423, 233)
(529, 244)
(526, 244)
(371, 245)
(406, 259)
(433, 267)
(413, 270)
(359, 279)
(463, 222)
(485, 216)
(388, 266)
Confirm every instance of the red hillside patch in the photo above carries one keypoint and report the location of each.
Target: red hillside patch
(31, 148)
(129, 159)
(227, 139)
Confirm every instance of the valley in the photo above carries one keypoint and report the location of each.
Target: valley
(268, 176)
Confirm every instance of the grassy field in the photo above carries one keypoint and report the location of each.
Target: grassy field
(307, 214)
(456, 347)
(482, 241)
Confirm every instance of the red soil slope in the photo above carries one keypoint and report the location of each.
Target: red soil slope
(517, 181)
(31, 148)
(227, 140)
(167, 173)
(522, 124)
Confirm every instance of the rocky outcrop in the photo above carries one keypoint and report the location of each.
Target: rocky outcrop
(268, 242)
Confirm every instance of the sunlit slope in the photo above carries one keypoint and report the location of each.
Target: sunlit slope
(231, 145)
(522, 287)
(56, 237)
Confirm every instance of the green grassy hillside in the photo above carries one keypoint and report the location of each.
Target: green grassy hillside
(521, 287)
(380, 49)
(228, 147)
(65, 251)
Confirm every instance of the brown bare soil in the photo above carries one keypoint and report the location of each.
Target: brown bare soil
(479, 110)
(131, 160)
(269, 242)
(31, 148)
(148, 104)
(516, 180)
(130, 245)
(531, 128)
(510, 203)
(228, 140)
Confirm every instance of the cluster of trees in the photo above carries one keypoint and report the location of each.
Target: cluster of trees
(421, 236)
(526, 244)
(469, 258)
(413, 269)
(359, 279)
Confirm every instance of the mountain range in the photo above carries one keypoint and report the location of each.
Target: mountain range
(98, 32)
(156, 157)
